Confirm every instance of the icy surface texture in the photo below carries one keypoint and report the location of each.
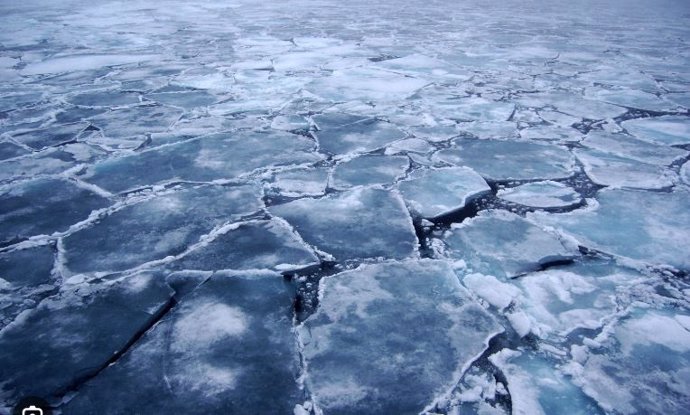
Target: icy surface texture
(431, 193)
(541, 194)
(362, 223)
(502, 160)
(505, 245)
(650, 227)
(481, 206)
(357, 345)
(156, 228)
(75, 333)
(226, 347)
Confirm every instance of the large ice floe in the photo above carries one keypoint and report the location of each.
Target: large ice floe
(360, 207)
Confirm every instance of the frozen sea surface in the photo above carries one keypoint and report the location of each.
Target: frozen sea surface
(320, 207)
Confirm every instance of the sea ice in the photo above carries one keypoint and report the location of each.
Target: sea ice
(642, 367)
(352, 368)
(204, 159)
(546, 194)
(252, 245)
(437, 192)
(668, 129)
(44, 206)
(302, 182)
(366, 84)
(361, 223)
(70, 335)
(503, 244)
(358, 137)
(228, 347)
(10, 150)
(631, 148)
(504, 160)
(538, 388)
(156, 228)
(610, 170)
(647, 226)
(369, 170)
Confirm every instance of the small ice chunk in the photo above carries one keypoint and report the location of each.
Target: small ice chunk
(504, 245)
(437, 192)
(357, 345)
(668, 129)
(546, 194)
(503, 160)
(361, 223)
(369, 169)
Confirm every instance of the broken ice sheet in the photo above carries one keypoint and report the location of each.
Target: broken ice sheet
(134, 122)
(10, 150)
(358, 137)
(668, 129)
(585, 295)
(369, 169)
(367, 84)
(361, 223)
(156, 228)
(647, 226)
(631, 148)
(572, 104)
(302, 182)
(503, 244)
(44, 206)
(641, 366)
(50, 136)
(503, 160)
(252, 245)
(546, 194)
(610, 170)
(218, 156)
(352, 368)
(71, 335)
(538, 388)
(26, 275)
(437, 192)
(226, 347)
(630, 98)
